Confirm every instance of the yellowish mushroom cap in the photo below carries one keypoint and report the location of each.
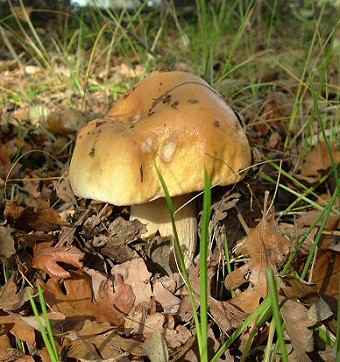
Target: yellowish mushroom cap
(174, 120)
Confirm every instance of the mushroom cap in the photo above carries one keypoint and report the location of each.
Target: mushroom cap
(173, 120)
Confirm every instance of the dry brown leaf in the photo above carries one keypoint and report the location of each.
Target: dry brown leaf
(29, 219)
(266, 247)
(226, 314)
(155, 347)
(5, 161)
(153, 322)
(64, 191)
(177, 337)
(136, 274)
(5, 347)
(18, 326)
(298, 325)
(310, 217)
(46, 258)
(326, 273)
(7, 248)
(294, 288)
(77, 302)
(98, 342)
(318, 160)
(169, 302)
(12, 299)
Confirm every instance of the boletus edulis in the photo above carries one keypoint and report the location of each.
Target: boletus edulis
(173, 121)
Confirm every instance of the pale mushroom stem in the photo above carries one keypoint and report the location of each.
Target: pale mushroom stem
(155, 215)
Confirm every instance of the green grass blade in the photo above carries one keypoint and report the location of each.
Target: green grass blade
(42, 330)
(180, 257)
(204, 247)
(274, 301)
(47, 321)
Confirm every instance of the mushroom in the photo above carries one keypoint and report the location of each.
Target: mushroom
(172, 120)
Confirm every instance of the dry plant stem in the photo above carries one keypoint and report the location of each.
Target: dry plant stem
(156, 216)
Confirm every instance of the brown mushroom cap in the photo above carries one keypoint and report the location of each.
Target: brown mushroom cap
(171, 119)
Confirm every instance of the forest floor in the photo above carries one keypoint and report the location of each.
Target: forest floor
(78, 281)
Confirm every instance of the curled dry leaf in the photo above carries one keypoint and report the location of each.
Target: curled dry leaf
(64, 191)
(26, 218)
(98, 342)
(77, 302)
(46, 258)
(7, 248)
(326, 273)
(155, 347)
(298, 325)
(136, 274)
(266, 247)
(19, 327)
(11, 298)
(318, 160)
(294, 287)
(177, 337)
(169, 302)
(226, 314)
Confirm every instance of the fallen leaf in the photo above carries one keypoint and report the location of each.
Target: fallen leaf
(297, 325)
(89, 345)
(169, 302)
(7, 248)
(155, 348)
(26, 218)
(74, 298)
(177, 337)
(5, 348)
(12, 299)
(136, 274)
(18, 326)
(266, 248)
(64, 191)
(153, 322)
(226, 314)
(5, 161)
(318, 160)
(293, 287)
(326, 273)
(309, 218)
(46, 258)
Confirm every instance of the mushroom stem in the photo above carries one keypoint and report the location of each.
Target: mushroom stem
(155, 215)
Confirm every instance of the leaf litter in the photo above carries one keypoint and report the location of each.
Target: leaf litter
(110, 296)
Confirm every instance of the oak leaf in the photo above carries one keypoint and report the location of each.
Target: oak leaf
(46, 258)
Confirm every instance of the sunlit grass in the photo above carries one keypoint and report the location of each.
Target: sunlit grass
(45, 327)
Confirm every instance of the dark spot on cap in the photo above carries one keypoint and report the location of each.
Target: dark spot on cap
(150, 113)
(174, 104)
(193, 101)
(92, 152)
(99, 123)
(166, 99)
(141, 172)
(217, 123)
